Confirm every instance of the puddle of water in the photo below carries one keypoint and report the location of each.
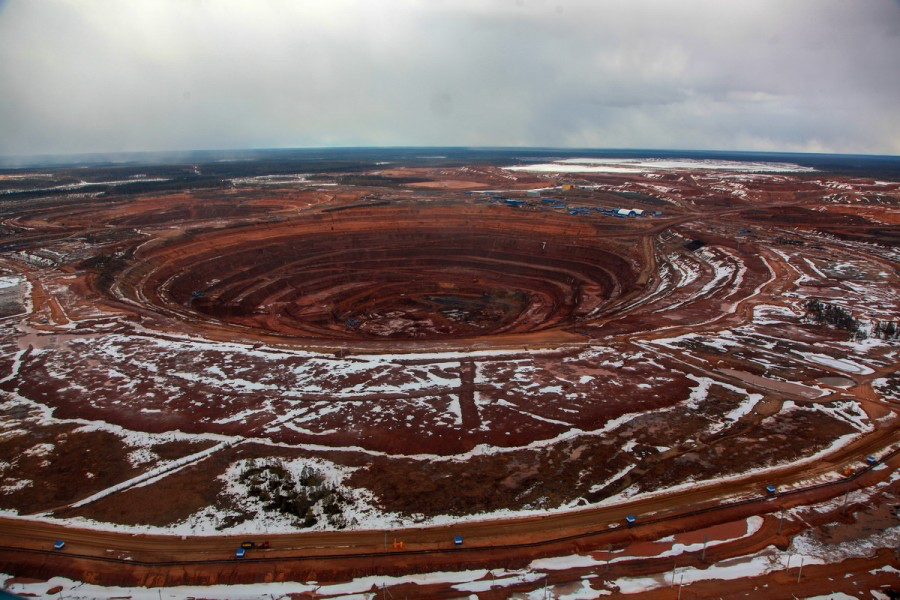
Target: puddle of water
(841, 382)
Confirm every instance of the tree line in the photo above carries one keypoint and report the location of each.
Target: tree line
(840, 318)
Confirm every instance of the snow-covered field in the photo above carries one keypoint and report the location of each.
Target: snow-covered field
(636, 165)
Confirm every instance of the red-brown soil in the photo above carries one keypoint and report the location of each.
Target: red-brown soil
(456, 356)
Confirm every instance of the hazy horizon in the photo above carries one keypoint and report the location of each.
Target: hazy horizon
(448, 155)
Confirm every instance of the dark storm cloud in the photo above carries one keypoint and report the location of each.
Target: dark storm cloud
(111, 76)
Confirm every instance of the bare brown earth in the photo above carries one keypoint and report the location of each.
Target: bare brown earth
(456, 356)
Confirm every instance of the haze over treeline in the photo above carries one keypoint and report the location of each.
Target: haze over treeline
(105, 76)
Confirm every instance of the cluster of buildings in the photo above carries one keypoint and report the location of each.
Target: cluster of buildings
(557, 203)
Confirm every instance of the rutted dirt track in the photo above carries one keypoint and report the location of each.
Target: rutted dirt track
(448, 354)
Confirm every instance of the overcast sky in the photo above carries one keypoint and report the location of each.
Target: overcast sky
(117, 75)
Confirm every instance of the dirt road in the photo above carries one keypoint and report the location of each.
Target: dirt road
(117, 558)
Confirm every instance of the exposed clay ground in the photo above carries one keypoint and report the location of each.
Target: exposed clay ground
(440, 355)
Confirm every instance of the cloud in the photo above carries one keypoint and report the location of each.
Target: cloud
(92, 75)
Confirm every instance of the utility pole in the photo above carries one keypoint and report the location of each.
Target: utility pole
(680, 585)
(703, 554)
(844, 507)
(800, 570)
(608, 553)
(781, 521)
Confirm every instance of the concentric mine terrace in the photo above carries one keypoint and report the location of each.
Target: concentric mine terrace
(356, 358)
(432, 272)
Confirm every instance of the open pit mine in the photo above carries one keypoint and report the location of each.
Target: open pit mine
(499, 374)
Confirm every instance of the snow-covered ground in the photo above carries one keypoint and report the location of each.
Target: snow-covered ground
(357, 588)
(636, 165)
